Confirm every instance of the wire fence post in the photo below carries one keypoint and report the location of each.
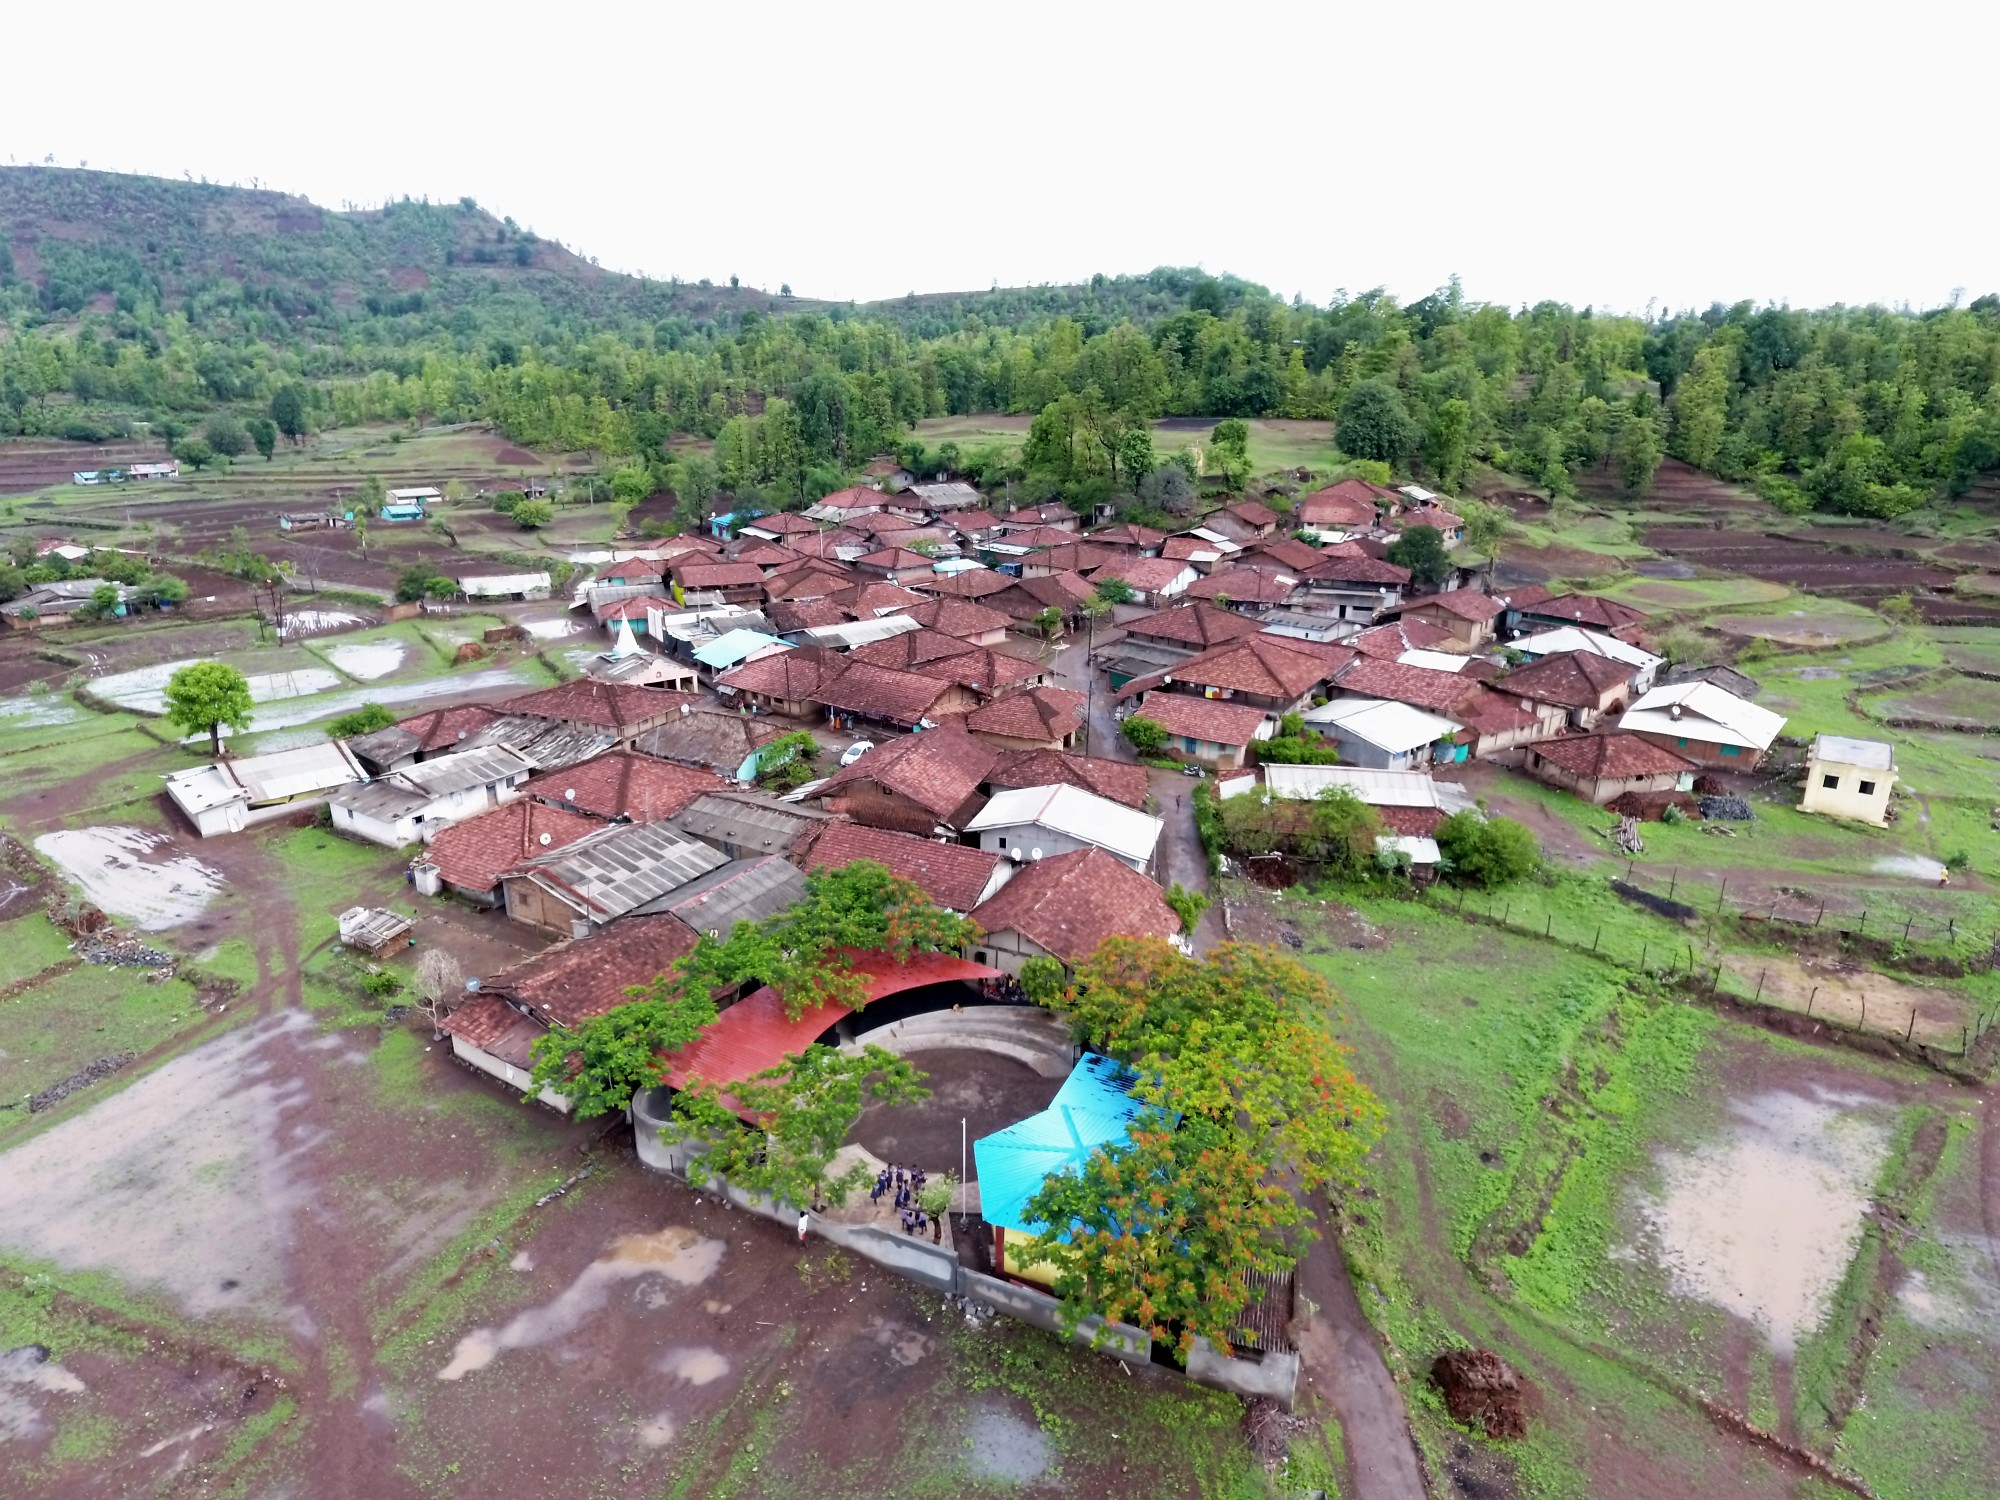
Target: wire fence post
(1595, 940)
(1864, 922)
(1723, 894)
(1911, 1030)
(1862, 1024)
(1810, 998)
(1644, 949)
(1906, 928)
(1672, 880)
(1550, 925)
(1760, 986)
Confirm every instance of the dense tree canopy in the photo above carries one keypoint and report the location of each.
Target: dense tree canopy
(207, 697)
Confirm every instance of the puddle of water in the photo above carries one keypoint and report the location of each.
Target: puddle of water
(388, 694)
(680, 1255)
(1004, 1448)
(1818, 674)
(1962, 1293)
(313, 621)
(550, 630)
(1916, 866)
(696, 1366)
(37, 711)
(187, 1180)
(1764, 1224)
(144, 689)
(123, 870)
(657, 1431)
(24, 1374)
(367, 660)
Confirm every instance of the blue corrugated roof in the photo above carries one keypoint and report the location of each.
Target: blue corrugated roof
(727, 650)
(1093, 1108)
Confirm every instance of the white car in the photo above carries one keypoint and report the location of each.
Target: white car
(855, 751)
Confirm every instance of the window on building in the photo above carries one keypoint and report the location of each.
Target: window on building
(1831, 783)
(1867, 788)
(1681, 743)
(1732, 750)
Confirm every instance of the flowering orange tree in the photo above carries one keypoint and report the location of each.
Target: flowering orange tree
(1159, 1231)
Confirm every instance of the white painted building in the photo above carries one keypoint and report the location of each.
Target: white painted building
(1037, 822)
(231, 794)
(1849, 779)
(405, 806)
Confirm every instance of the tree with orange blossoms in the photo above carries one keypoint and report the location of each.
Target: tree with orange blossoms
(1240, 1048)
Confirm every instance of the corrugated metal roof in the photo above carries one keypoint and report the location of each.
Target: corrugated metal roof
(1396, 728)
(1707, 713)
(851, 633)
(1073, 811)
(1093, 1108)
(738, 645)
(1377, 788)
(615, 872)
(744, 821)
(744, 890)
(1875, 755)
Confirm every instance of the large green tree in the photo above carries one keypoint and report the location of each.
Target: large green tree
(1375, 424)
(205, 698)
(1421, 549)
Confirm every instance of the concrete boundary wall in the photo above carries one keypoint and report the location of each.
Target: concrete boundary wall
(1274, 1375)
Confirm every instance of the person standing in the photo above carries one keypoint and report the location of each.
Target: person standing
(804, 1219)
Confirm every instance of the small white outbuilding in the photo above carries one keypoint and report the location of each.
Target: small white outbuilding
(1849, 779)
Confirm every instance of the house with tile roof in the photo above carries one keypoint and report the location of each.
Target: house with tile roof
(781, 526)
(1705, 724)
(1289, 552)
(1206, 730)
(1141, 539)
(1393, 639)
(469, 858)
(967, 619)
(722, 740)
(1470, 617)
(950, 875)
(1591, 610)
(1584, 687)
(1023, 600)
(1154, 642)
(1038, 718)
(1352, 587)
(896, 564)
(732, 582)
(1151, 579)
(604, 876)
(1117, 780)
(421, 736)
(1603, 766)
(624, 709)
(1350, 505)
(1075, 556)
(980, 584)
(1250, 588)
(623, 787)
(785, 683)
(913, 650)
(923, 784)
(841, 504)
(881, 697)
(868, 598)
(1065, 906)
(1645, 665)
(1273, 673)
(987, 675)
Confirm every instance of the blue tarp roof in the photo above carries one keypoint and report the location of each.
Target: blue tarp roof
(727, 650)
(1093, 1108)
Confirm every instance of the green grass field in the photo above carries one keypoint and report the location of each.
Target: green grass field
(1669, 596)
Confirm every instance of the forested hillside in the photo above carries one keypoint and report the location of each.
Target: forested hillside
(136, 299)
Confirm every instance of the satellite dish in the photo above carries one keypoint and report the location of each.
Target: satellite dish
(569, 794)
(543, 841)
(1015, 854)
(1034, 854)
(687, 708)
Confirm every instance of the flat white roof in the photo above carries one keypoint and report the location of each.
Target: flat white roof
(1437, 661)
(1377, 788)
(1422, 851)
(202, 788)
(1073, 811)
(275, 777)
(851, 633)
(422, 492)
(1872, 755)
(504, 583)
(1396, 728)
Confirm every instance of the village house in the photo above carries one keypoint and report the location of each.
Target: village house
(1248, 588)
(1206, 730)
(1117, 780)
(1467, 616)
(467, 859)
(1586, 687)
(731, 582)
(623, 787)
(1141, 539)
(911, 648)
(603, 876)
(896, 564)
(987, 675)
(882, 697)
(1601, 767)
(732, 649)
(870, 598)
(1201, 549)
(941, 498)
(1705, 724)
(1039, 718)
(1028, 823)
(979, 584)
(1396, 638)
(965, 619)
(1410, 804)
(411, 804)
(949, 875)
(1151, 579)
(1495, 726)
(522, 586)
(1270, 672)
(236, 791)
(1026, 601)
(723, 740)
(1072, 557)
(620, 709)
(1589, 610)
(1850, 779)
(783, 682)
(927, 784)
(780, 527)
(1065, 906)
(1351, 587)
(750, 825)
(562, 986)
(1645, 665)
(1350, 505)
(752, 889)
(842, 505)
(1376, 734)
(420, 737)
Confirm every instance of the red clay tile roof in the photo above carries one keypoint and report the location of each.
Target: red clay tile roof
(911, 651)
(818, 581)
(962, 618)
(1246, 584)
(1466, 604)
(939, 770)
(973, 520)
(1118, 780)
(677, 546)
(607, 705)
(1421, 687)
(1072, 903)
(1199, 625)
(631, 607)
(791, 676)
(1079, 557)
(494, 1027)
(827, 543)
(1271, 666)
(585, 977)
(882, 693)
(1387, 642)
(1187, 548)
(880, 523)
(1149, 574)
(1063, 590)
(785, 523)
(804, 614)
(893, 559)
(442, 728)
(1290, 552)
(974, 583)
(1586, 609)
(1611, 756)
(1037, 536)
(1203, 718)
(1252, 513)
(1128, 534)
(873, 598)
(473, 853)
(1352, 502)
(987, 673)
(1574, 679)
(1434, 516)
(951, 875)
(624, 784)
(701, 573)
(1042, 713)
(633, 570)
(1040, 513)
(1340, 567)
(1524, 598)
(1411, 822)
(1489, 713)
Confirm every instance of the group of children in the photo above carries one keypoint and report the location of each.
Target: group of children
(904, 1188)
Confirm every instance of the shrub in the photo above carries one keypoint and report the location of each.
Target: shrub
(364, 720)
(423, 582)
(531, 514)
(1489, 853)
(1188, 906)
(506, 500)
(1147, 736)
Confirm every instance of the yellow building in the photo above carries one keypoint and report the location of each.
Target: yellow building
(1850, 779)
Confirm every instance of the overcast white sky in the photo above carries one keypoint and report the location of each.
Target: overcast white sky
(1591, 153)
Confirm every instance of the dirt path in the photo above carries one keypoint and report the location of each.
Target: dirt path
(1345, 1373)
